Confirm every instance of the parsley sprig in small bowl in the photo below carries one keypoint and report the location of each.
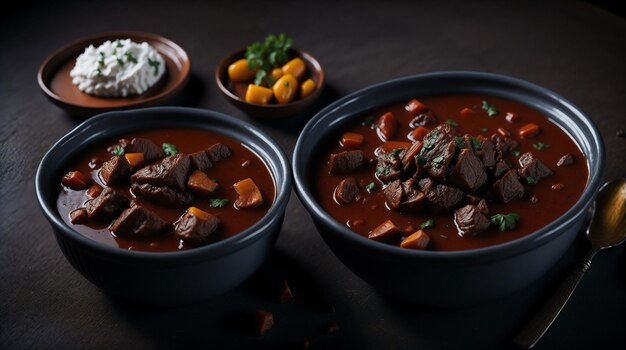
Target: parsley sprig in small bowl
(270, 79)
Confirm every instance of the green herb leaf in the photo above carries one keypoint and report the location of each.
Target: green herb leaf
(383, 170)
(540, 145)
(427, 223)
(429, 139)
(273, 52)
(531, 180)
(421, 160)
(438, 162)
(260, 76)
(459, 142)
(120, 61)
(169, 149)
(119, 44)
(99, 72)
(483, 129)
(505, 221)
(394, 152)
(370, 187)
(218, 202)
(516, 153)
(452, 122)
(491, 109)
(154, 64)
(118, 150)
(475, 143)
(101, 59)
(130, 57)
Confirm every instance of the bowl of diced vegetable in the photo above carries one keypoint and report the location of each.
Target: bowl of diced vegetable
(270, 79)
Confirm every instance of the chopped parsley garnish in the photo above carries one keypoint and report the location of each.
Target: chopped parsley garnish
(170, 149)
(429, 140)
(427, 223)
(218, 202)
(516, 153)
(272, 52)
(118, 151)
(438, 162)
(368, 120)
(482, 129)
(452, 122)
(154, 64)
(101, 59)
(130, 57)
(505, 221)
(119, 44)
(475, 143)
(383, 170)
(421, 160)
(540, 145)
(99, 72)
(120, 61)
(458, 141)
(395, 152)
(370, 187)
(531, 180)
(491, 109)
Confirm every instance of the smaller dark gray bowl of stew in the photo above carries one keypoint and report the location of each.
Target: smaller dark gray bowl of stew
(449, 189)
(165, 205)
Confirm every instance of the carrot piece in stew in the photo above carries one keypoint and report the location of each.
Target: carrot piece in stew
(417, 240)
(351, 139)
(199, 213)
(384, 231)
(504, 132)
(418, 133)
(467, 113)
(415, 107)
(249, 194)
(200, 183)
(529, 130)
(134, 159)
(386, 126)
(75, 180)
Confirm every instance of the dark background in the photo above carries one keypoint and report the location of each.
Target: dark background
(576, 49)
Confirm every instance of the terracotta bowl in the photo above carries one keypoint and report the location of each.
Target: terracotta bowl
(55, 81)
(271, 111)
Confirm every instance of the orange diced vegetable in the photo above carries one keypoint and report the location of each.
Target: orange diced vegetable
(239, 71)
(511, 117)
(75, 180)
(94, 191)
(200, 183)
(529, 130)
(249, 194)
(134, 159)
(386, 126)
(276, 73)
(295, 67)
(199, 213)
(389, 146)
(467, 113)
(285, 88)
(351, 139)
(415, 107)
(383, 232)
(307, 88)
(258, 94)
(412, 152)
(418, 133)
(417, 240)
(504, 132)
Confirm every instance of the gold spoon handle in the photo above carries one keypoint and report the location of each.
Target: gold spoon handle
(537, 327)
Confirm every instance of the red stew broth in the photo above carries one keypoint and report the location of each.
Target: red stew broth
(371, 209)
(243, 163)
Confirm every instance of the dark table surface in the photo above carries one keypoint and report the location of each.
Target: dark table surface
(574, 48)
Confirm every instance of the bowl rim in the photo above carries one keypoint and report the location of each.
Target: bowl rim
(228, 59)
(502, 250)
(209, 251)
(87, 40)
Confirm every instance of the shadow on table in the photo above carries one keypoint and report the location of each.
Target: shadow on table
(228, 320)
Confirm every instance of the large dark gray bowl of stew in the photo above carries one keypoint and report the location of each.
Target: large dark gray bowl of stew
(446, 277)
(165, 277)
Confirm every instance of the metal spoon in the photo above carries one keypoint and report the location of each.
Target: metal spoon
(607, 230)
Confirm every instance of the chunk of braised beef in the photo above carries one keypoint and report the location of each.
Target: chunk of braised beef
(218, 152)
(347, 191)
(408, 156)
(393, 194)
(472, 199)
(470, 220)
(106, 206)
(508, 187)
(438, 163)
(566, 160)
(138, 221)
(115, 171)
(200, 160)
(468, 173)
(500, 168)
(346, 162)
(414, 201)
(482, 206)
(423, 119)
(389, 166)
(162, 195)
(486, 152)
(171, 171)
(425, 185)
(502, 144)
(444, 198)
(533, 167)
(150, 150)
(196, 229)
